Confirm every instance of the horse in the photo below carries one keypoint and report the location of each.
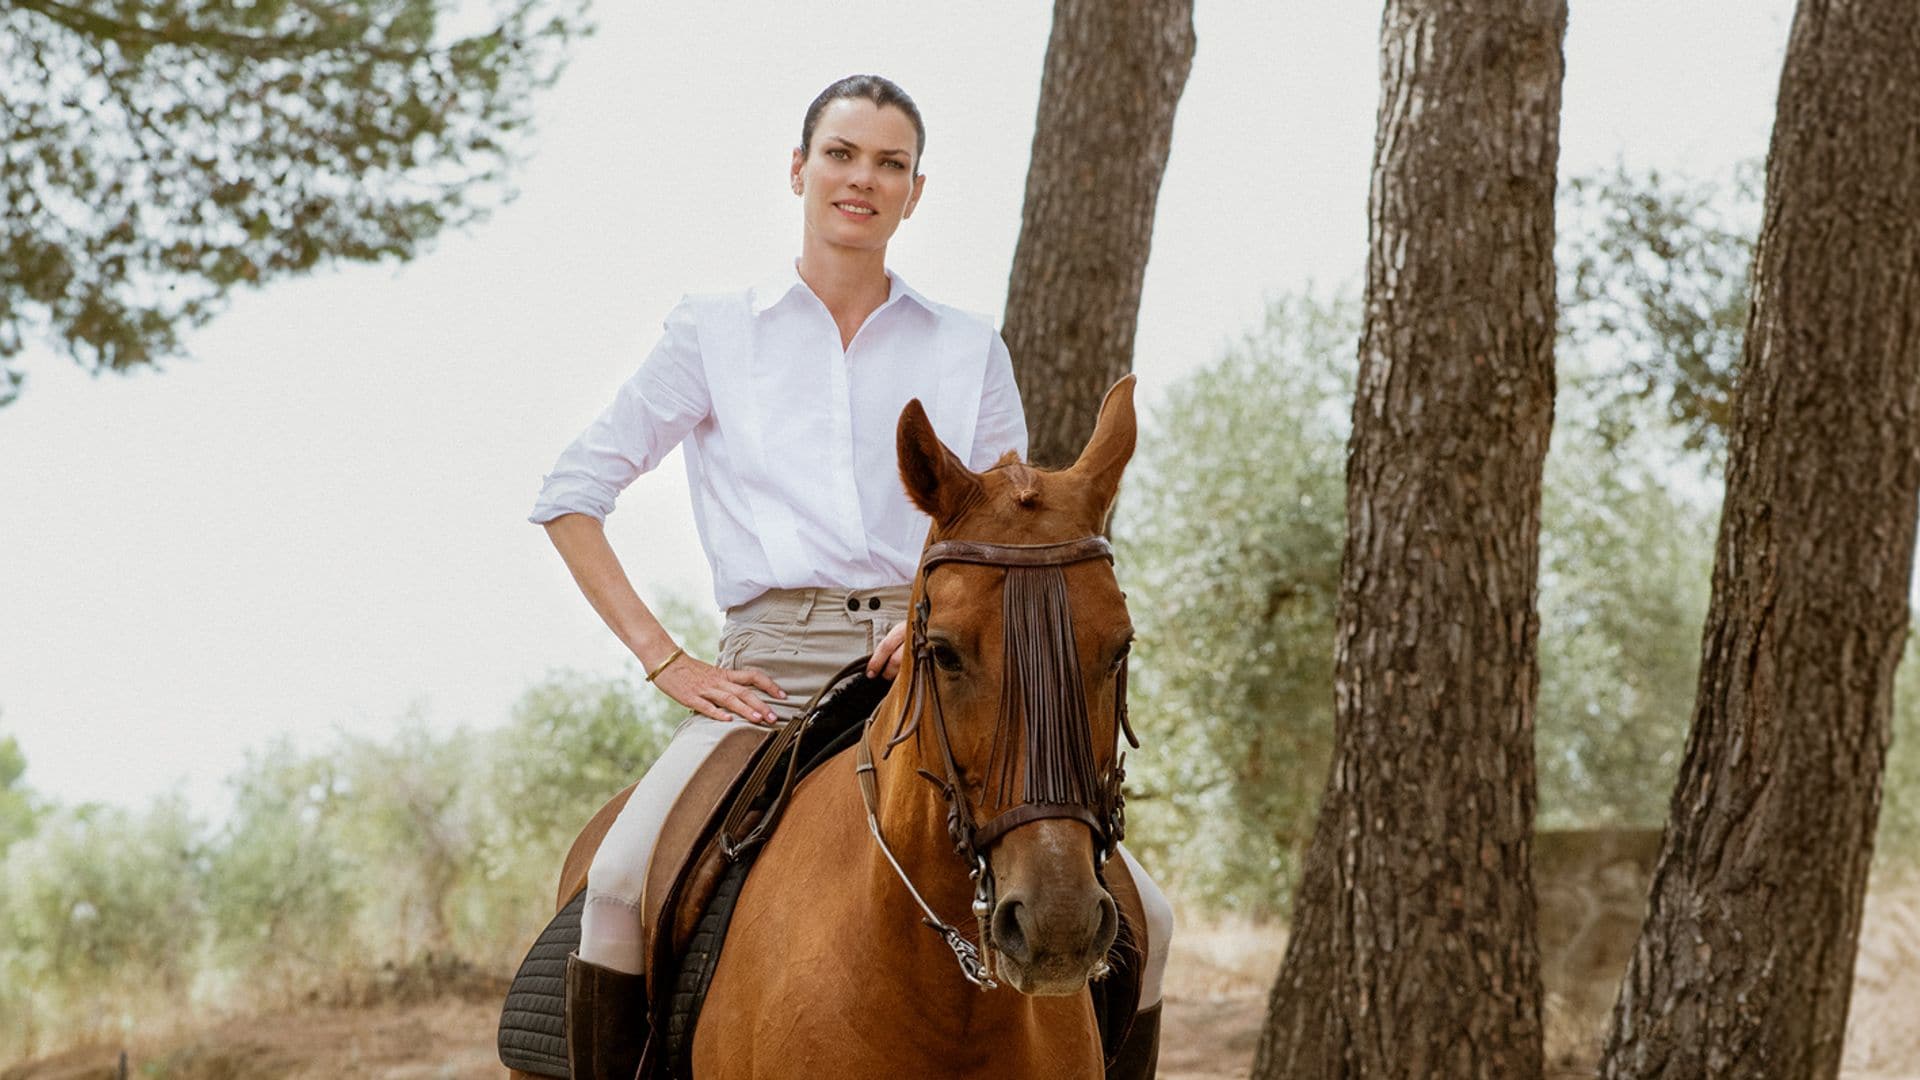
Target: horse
(830, 968)
(985, 793)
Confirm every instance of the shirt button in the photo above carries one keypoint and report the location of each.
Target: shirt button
(853, 603)
(873, 603)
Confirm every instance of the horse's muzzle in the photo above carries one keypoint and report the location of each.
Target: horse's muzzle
(1052, 924)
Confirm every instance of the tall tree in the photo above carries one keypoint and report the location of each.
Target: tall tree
(156, 155)
(1745, 964)
(1113, 77)
(1414, 950)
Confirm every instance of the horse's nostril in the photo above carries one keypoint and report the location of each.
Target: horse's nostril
(1010, 930)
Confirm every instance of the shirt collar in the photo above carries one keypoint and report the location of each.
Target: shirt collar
(784, 282)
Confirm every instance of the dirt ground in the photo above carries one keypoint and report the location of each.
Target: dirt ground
(1215, 999)
(453, 1040)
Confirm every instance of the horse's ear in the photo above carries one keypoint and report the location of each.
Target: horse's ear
(1111, 446)
(937, 481)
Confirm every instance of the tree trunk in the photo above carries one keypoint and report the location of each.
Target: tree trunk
(1414, 951)
(1744, 967)
(1114, 74)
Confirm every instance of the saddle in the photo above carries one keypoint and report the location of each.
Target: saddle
(705, 851)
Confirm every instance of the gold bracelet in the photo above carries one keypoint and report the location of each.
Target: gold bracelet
(677, 654)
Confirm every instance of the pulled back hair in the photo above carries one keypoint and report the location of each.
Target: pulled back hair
(882, 92)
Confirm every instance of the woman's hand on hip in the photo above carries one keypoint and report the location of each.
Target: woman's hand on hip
(885, 663)
(720, 693)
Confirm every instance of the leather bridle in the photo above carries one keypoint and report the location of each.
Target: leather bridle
(1042, 699)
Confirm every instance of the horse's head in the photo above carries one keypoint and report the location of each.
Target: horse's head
(1017, 701)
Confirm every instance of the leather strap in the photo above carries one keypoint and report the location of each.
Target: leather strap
(985, 835)
(784, 743)
(984, 553)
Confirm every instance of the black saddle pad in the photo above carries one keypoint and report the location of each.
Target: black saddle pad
(533, 1024)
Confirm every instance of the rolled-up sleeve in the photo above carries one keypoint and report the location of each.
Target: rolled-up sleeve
(654, 409)
(1003, 420)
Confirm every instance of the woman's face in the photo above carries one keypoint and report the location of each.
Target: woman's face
(856, 183)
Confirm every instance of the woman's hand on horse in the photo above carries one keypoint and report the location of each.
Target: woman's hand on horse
(720, 693)
(885, 662)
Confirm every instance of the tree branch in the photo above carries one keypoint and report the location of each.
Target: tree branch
(178, 33)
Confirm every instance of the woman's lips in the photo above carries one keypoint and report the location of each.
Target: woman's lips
(855, 214)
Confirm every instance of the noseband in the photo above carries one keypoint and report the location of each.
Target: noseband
(1042, 698)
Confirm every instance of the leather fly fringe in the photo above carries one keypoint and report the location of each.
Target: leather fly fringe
(1042, 695)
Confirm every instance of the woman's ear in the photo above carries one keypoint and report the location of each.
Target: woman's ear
(913, 200)
(793, 172)
(937, 481)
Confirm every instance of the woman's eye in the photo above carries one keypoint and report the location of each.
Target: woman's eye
(837, 154)
(895, 164)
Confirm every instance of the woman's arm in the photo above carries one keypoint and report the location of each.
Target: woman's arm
(712, 691)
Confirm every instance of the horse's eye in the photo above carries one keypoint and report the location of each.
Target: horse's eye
(946, 656)
(1120, 657)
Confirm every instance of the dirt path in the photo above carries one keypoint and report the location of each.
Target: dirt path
(1215, 1001)
(453, 1040)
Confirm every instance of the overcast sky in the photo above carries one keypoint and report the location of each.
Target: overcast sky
(318, 522)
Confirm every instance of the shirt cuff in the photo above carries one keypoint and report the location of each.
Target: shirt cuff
(570, 495)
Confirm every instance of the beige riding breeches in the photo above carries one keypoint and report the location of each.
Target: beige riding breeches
(799, 637)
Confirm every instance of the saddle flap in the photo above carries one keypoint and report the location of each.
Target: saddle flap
(689, 825)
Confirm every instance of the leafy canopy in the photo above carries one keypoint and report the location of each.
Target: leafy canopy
(159, 154)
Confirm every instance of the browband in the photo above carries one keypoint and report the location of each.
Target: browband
(979, 551)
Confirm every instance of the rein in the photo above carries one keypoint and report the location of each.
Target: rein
(1042, 697)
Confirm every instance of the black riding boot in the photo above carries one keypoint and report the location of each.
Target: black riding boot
(606, 1021)
(1139, 1056)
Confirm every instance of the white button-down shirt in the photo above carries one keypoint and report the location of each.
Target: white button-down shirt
(789, 438)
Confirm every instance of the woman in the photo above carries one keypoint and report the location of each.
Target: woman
(785, 397)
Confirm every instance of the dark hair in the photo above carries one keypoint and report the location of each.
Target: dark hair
(882, 92)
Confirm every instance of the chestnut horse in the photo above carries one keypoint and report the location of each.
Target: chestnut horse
(830, 968)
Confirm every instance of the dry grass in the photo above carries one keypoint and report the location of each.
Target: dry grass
(1217, 983)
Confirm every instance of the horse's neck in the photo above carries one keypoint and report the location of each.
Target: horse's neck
(913, 819)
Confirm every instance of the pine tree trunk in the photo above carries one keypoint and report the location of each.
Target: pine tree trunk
(1744, 967)
(1113, 77)
(1414, 952)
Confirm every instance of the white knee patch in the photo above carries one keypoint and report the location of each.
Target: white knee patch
(610, 934)
(1159, 914)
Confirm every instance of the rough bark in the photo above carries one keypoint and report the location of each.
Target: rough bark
(1744, 967)
(1113, 77)
(1415, 950)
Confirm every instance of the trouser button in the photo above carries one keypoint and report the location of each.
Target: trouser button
(853, 603)
(873, 603)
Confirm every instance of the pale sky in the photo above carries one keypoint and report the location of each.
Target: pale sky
(319, 520)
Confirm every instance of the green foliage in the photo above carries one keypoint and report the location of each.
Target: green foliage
(1231, 553)
(1654, 274)
(1625, 574)
(97, 894)
(280, 896)
(1897, 846)
(17, 809)
(161, 154)
(406, 817)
